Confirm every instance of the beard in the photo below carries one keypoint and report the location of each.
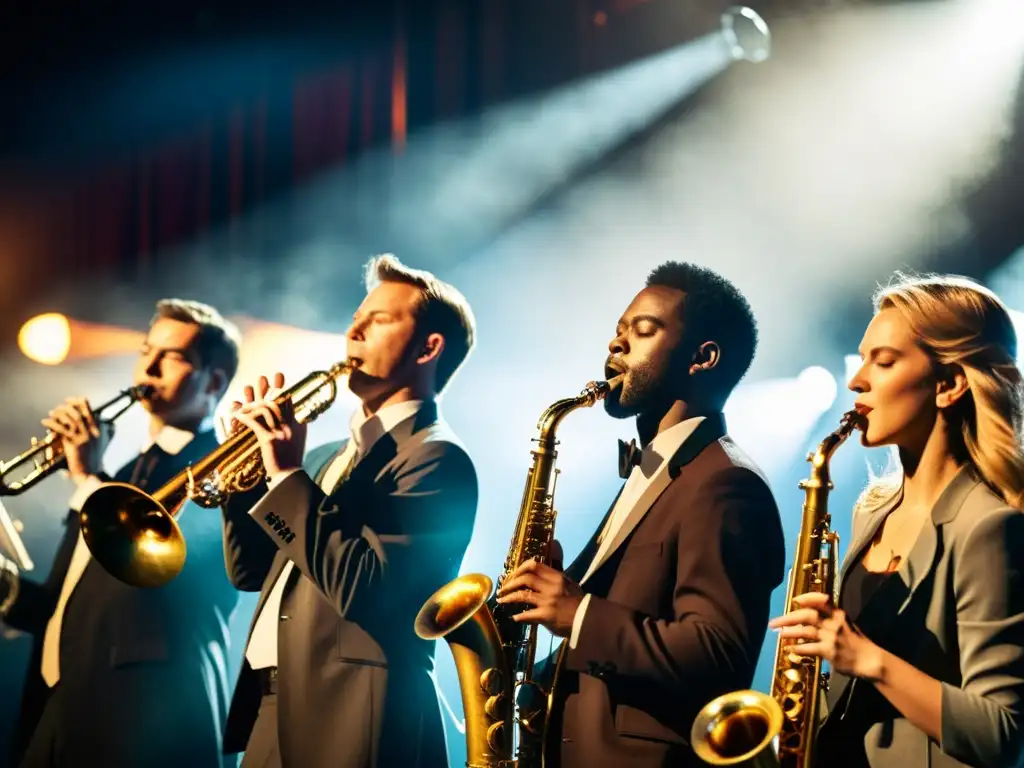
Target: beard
(643, 389)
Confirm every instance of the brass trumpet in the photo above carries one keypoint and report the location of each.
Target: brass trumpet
(46, 456)
(134, 535)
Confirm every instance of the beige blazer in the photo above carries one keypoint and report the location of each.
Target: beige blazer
(955, 611)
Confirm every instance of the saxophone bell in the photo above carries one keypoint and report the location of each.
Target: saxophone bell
(494, 655)
(738, 728)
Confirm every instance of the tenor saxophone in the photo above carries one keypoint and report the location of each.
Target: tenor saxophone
(777, 730)
(494, 655)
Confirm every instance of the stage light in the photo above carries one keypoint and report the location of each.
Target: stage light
(46, 338)
(53, 338)
(747, 34)
(852, 364)
(818, 387)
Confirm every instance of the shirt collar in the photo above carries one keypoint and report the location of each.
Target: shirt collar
(665, 444)
(172, 440)
(367, 430)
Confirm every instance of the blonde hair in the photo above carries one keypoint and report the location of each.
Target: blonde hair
(442, 309)
(961, 323)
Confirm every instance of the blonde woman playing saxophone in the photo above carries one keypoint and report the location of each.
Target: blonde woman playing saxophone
(926, 645)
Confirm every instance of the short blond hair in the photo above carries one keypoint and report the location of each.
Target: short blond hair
(442, 309)
(219, 339)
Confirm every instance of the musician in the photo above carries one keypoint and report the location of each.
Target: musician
(346, 546)
(926, 644)
(667, 606)
(121, 676)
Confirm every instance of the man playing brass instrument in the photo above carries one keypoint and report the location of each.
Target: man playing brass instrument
(125, 677)
(346, 546)
(666, 607)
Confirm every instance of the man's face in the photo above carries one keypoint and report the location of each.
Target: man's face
(646, 348)
(384, 340)
(168, 362)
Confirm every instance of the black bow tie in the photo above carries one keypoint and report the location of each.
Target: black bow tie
(629, 457)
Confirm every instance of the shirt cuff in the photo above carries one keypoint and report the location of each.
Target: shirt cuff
(577, 622)
(10, 583)
(273, 482)
(84, 491)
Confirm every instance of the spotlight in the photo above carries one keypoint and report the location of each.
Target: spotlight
(747, 34)
(818, 388)
(46, 338)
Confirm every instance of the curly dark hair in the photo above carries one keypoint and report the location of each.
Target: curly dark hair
(713, 310)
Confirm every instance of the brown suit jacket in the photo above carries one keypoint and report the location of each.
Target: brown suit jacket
(354, 685)
(678, 612)
(954, 610)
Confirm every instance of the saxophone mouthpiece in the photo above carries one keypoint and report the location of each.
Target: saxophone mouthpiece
(615, 382)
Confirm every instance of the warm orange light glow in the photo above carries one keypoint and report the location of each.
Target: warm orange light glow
(46, 338)
(52, 339)
(399, 116)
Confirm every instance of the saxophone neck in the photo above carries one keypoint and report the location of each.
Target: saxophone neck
(593, 393)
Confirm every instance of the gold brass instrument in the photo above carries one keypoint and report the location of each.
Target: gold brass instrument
(493, 654)
(740, 728)
(46, 456)
(134, 535)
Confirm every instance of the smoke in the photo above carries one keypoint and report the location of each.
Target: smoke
(843, 158)
(804, 180)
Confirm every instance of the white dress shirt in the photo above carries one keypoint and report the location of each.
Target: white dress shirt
(645, 483)
(172, 440)
(365, 431)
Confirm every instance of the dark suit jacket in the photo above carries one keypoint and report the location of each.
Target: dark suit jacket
(678, 612)
(354, 685)
(143, 671)
(954, 609)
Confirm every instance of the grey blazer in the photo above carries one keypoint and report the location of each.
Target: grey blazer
(354, 681)
(955, 610)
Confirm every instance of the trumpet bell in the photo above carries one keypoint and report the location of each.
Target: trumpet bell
(738, 729)
(452, 606)
(132, 536)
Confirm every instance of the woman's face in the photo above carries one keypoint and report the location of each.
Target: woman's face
(896, 383)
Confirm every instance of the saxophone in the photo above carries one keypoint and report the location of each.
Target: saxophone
(493, 654)
(741, 728)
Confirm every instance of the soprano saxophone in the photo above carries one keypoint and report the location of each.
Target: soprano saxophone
(494, 655)
(757, 730)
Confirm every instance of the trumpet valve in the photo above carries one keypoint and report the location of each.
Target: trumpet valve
(208, 492)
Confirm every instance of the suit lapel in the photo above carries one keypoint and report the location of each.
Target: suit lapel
(707, 432)
(878, 616)
(894, 597)
(867, 534)
(386, 447)
(380, 453)
(578, 569)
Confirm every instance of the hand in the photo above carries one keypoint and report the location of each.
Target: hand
(281, 438)
(554, 596)
(83, 439)
(822, 630)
